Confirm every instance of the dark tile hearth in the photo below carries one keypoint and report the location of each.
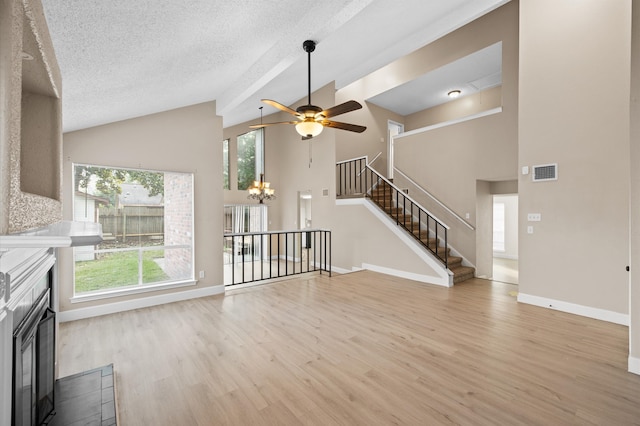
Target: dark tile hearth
(86, 398)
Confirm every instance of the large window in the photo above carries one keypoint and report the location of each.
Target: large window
(147, 225)
(225, 164)
(250, 158)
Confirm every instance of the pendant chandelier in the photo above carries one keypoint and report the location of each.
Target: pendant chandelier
(260, 190)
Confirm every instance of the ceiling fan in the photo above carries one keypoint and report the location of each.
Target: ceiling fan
(311, 118)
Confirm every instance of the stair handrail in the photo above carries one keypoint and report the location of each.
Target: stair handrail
(407, 196)
(422, 212)
(440, 203)
(374, 158)
(362, 157)
(351, 181)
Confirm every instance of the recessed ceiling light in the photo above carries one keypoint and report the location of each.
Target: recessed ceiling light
(454, 93)
(26, 57)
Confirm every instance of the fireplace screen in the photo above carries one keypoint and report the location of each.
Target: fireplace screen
(33, 372)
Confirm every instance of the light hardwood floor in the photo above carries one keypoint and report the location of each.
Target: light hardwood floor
(359, 349)
(505, 270)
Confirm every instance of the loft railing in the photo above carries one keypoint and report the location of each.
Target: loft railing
(257, 256)
(356, 177)
(350, 177)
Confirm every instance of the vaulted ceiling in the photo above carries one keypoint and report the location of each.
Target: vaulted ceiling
(121, 59)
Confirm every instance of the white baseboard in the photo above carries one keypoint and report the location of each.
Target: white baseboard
(634, 365)
(145, 302)
(408, 275)
(342, 270)
(572, 308)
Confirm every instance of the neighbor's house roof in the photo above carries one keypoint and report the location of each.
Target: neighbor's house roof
(84, 195)
(134, 194)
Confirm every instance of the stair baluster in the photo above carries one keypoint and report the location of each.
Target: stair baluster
(397, 204)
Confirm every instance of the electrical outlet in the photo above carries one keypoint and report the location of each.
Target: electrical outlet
(529, 229)
(201, 274)
(534, 217)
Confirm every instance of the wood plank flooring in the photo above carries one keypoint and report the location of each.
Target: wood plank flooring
(359, 349)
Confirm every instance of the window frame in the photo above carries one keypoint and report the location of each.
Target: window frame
(141, 286)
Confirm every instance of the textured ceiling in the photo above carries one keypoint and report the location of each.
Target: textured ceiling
(126, 58)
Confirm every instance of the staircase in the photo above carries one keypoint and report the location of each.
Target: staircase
(388, 199)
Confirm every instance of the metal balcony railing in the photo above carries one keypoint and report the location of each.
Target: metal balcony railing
(257, 256)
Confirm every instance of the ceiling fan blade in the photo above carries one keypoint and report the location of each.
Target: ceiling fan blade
(258, 126)
(280, 107)
(344, 126)
(341, 109)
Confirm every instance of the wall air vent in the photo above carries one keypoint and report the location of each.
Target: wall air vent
(545, 172)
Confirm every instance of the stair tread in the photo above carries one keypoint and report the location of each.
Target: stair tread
(462, 269)
(384, 198)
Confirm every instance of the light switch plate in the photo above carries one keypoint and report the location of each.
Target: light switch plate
(534, 217)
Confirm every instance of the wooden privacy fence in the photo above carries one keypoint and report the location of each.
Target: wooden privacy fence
(131, 221)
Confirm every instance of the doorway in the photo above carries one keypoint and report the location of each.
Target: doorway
(505, 238)
(304, 216)
(393, 129)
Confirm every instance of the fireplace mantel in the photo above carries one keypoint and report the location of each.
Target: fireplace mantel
(60, 234)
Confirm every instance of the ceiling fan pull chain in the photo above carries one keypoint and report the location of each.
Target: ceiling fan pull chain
(310, 159)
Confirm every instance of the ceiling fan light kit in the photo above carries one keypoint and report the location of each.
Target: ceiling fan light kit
(311, 118)
(309, 128)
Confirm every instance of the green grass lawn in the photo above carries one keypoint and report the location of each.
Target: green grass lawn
(118, 270)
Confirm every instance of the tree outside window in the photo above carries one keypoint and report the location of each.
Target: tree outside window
(225, 165)
(250, 158)
(147, 225)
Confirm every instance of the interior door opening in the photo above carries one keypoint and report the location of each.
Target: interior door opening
(304, 215)
(505, 238)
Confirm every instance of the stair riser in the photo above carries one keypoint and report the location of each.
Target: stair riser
(384, 197)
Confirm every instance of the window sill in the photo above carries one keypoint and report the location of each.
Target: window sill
(130, 290)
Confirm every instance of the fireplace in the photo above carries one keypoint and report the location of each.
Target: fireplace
(27, 281)
(34, 365)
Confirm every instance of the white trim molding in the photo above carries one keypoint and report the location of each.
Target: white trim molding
(340, 270)
(427, 279)
(572, 308)
(486, 113)
(125, 291)
(634, 365)
(127, 305)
